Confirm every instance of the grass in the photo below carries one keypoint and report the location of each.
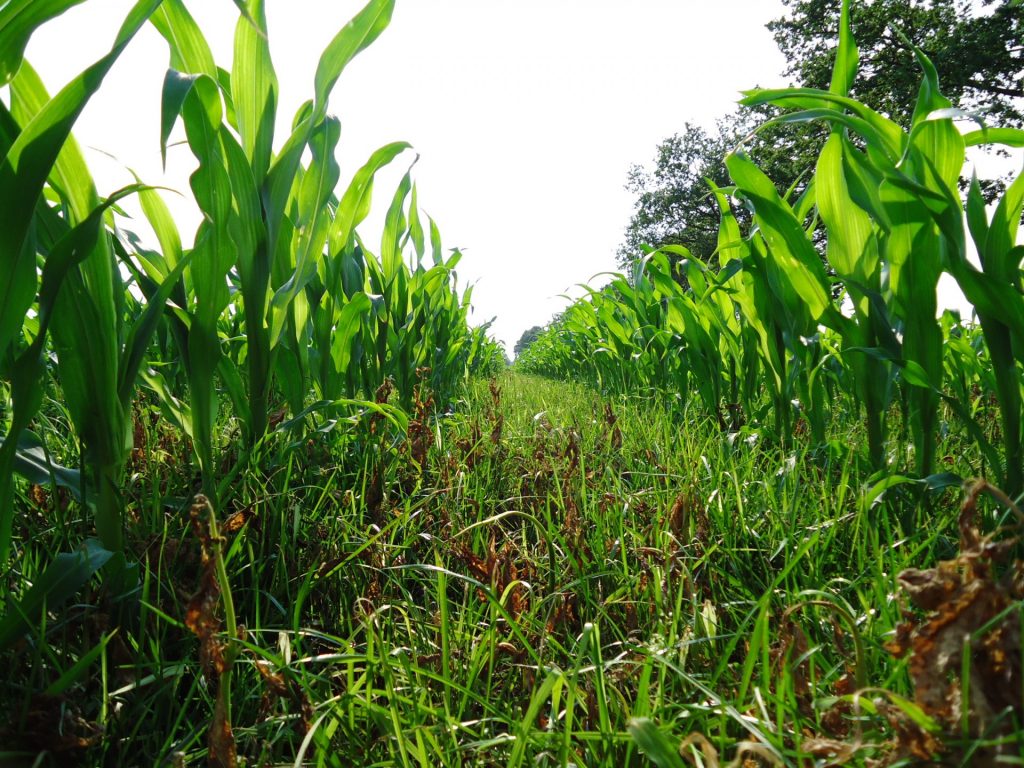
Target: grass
(511, 583)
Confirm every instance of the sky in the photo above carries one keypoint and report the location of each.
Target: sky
(526, 116)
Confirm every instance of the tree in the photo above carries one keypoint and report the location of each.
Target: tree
(674, 205)
(529, 336)
(978, 52)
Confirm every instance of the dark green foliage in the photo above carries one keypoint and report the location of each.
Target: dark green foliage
(529, 336)
(977, 52)
(674, 205)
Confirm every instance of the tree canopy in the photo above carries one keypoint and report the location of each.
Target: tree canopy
(976, 50)
(529, 336)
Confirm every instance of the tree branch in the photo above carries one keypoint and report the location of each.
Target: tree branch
(1013, 93)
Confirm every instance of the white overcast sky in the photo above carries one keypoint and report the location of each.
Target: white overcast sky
(526, 114)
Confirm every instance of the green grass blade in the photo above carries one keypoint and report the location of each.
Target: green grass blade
(653, 743)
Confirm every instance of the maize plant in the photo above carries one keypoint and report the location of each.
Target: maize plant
(777, 333)
(277, 302)
(73, 294)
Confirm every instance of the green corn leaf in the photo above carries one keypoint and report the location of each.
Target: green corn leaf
(845, 69)
(999, 256)
(941, 150)
(141, 332)
(355, 203)
(71, 250)
(190, 57)
(230, 375)
(26, 167)
(247, 226)
(887, 132)
(354, 37)
(876, 144)
(416, 234)
(730, 238)
(28, 370)
(176, 88)
(349, 324)
(32, 462)
(977, 217)
(1010, 137)
(17, 289)
(18, 20)
(362, 30)
(277, 189)
(86, 323)
(914, 374)
(212, 257)
(436, 249)
(65, 576)
(254, 87)
(979, 435)
(929, 97)
(177, 413)
(243, 9)
(799, 262)
(849, 227)
(252, 260)
(937, 200)
(911, 248)
(189, 50)
(315, 189)
(863, 179)
(914, 249)
(394, 230)
(398, 418)
(990, 296)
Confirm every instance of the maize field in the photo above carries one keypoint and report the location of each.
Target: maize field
(272, 500)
